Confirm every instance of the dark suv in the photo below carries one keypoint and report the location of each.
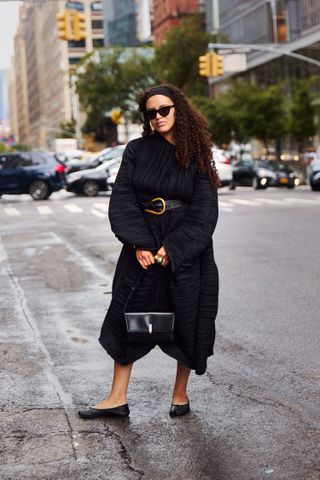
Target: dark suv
(36, 173)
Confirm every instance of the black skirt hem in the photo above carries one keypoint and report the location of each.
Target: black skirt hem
(164, 347)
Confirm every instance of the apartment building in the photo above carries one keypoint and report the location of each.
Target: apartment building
(168, 14)
(43, 65)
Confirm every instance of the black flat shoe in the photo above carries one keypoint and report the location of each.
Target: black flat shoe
(179, 410)
(119, 412)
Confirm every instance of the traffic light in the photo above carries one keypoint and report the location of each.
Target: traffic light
(79, 26)
(205, 65)
(64, 25)
(217, 65)
(116, 116)
(211, 65)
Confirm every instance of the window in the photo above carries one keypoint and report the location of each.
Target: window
(98, 42)
(16, 161)
(97, 24)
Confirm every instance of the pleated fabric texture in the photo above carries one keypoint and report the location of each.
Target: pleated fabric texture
(189, 285)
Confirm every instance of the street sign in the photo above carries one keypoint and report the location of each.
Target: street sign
(235, 62)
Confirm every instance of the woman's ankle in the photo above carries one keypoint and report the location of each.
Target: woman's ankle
(116, 397)
(180, 397)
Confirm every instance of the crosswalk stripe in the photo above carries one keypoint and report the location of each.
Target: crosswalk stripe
(270, 201)
(44, 210)
(101, 206)
(239, 201)
(98, 214)
(301, 200)
(11, 212)
(73, 208)
(224, 204)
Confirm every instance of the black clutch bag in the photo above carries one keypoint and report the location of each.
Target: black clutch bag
(154, 327)
(151, 327)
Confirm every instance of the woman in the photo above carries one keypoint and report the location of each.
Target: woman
(172, 160)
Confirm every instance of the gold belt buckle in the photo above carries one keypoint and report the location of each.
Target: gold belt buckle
(163, 206)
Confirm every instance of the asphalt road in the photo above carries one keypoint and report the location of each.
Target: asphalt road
(255, 413)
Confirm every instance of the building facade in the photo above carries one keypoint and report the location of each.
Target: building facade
(120, 23)
(42, 68)
(290, 26)
(168, 14)
(12, 99)
(3, 104)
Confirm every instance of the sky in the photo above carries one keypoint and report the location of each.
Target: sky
(8, 27)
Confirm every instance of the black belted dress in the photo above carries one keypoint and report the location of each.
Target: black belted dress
(188, 286)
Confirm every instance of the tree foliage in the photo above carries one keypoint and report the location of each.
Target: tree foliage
(113, 82)
(246, 111)
(302, 114)
(176, 59)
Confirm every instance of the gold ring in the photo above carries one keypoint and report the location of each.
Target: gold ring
(158, 259)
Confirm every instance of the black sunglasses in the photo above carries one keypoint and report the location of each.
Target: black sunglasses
(163, 111)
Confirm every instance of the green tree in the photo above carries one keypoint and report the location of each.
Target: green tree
(259, 112)
(221, 122)
(113, 82)
(302, 115)
(67, 129)
(177, 58)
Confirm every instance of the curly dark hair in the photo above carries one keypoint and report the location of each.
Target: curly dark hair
(190, 132)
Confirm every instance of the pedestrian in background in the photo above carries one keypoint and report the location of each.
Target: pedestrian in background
(172, 246)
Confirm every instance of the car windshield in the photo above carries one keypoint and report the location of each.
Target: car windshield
(114, 152)
(271, 164)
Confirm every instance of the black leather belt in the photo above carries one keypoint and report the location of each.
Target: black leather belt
(158, 205)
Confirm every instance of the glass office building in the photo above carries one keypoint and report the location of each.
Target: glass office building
(120, 23)
(293, 25)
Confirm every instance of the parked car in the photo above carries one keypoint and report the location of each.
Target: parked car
(314, 178)
(113, 172)
(262, 174)
(223, 165)
(103, 156)
(36, 173)
(92, 181)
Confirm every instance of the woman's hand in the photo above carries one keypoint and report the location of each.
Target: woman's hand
(165, 259)
(145, 258)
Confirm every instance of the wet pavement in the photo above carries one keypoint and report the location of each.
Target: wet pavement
(255, 413)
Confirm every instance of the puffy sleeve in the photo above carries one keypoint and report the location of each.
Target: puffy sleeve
(186, 242)
(126, 219)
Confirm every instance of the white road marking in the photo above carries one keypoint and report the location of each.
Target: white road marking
(11, 212)
(225, 204)
(301, 200)
(240, 201)
(270, 201)
(225, 209)
(98, 214)
(73, 208)
(44, 210)
(101, 206)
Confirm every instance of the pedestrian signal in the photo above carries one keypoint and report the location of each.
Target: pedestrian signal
(79, 26)
(64, 25)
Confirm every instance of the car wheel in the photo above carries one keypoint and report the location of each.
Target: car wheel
(39, 190)
(90, 189)
(315, 188)
(232, 186)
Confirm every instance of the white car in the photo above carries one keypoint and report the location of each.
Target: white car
(223, 165)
